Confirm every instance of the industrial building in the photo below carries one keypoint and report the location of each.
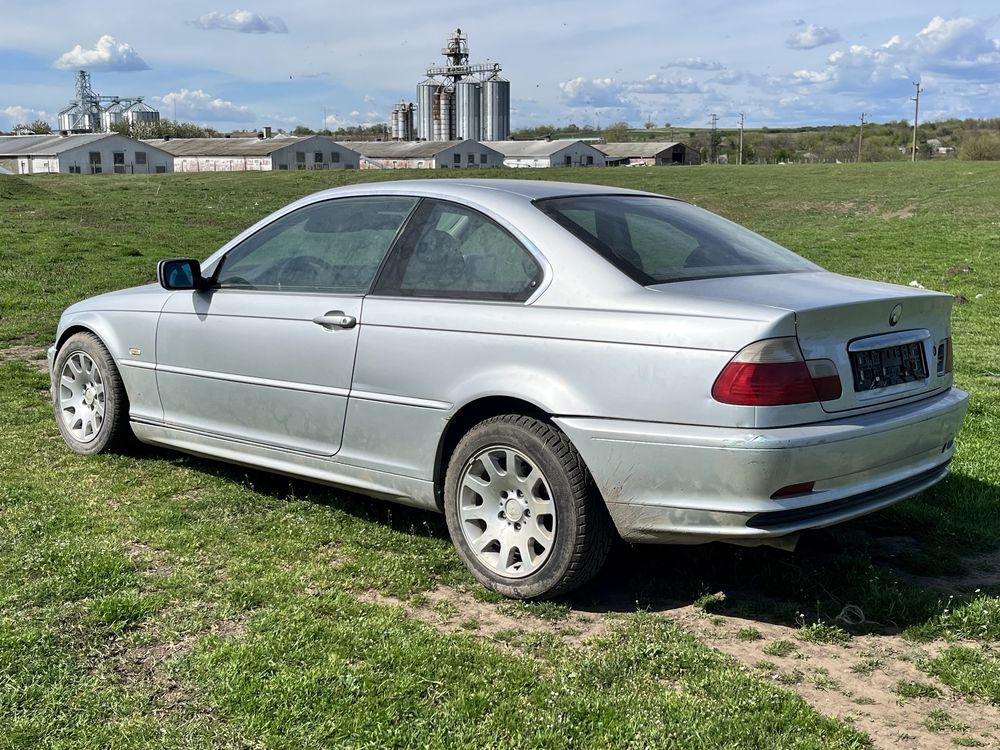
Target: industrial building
(257, 154)
(457, 100)
(559, 153)
(467, 154)
(648, 153)
(93, 113)
(90, 153)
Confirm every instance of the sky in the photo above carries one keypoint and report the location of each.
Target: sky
(303, 62)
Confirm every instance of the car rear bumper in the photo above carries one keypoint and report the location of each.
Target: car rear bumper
(673, 483)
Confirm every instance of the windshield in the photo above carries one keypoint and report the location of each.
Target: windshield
(656, 240)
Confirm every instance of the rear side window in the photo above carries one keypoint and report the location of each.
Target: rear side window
(334, 246)
(656, 240)
(454, 252)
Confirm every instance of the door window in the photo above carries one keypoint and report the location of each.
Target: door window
(334, 246)
(454, 252)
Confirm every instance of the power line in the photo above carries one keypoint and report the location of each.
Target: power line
(739, 158)
(712, 137)
(916, 112)
(861, 132)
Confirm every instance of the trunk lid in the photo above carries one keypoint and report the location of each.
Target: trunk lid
(883, 339)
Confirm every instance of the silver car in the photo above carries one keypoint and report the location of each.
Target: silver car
(548, 364)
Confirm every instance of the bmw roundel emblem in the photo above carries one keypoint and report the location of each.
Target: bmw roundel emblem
(895, 315)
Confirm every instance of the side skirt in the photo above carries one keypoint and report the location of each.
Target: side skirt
(418, 493)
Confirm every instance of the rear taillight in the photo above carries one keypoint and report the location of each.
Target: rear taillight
(773, 372)
(945, 359)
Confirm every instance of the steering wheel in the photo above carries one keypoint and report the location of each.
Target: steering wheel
(302, 270)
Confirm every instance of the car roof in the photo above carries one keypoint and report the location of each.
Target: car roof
(529, 189)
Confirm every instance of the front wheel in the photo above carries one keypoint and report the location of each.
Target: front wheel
(522, 510)
(88, 396)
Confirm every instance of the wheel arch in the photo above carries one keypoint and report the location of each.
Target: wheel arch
(76, 328)
(471, 414)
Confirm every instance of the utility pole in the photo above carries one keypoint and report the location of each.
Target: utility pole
(861, 132)
(916, 113)
(739, 159)
(711, 138)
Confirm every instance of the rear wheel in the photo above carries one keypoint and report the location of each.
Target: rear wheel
(88, 396)
(522, 510)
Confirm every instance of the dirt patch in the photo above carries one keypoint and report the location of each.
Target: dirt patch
(983, 573)
(856, 681)
(147, 559)
(33, 356)
(144, 667)
(452, 611)
(903, 213)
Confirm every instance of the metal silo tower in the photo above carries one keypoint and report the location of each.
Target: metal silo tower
(462, 100)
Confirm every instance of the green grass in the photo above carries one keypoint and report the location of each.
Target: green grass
(780, 648)
(968, 670)
(910, 689)
(150, 599)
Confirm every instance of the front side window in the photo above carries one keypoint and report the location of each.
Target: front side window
(318, 157)
(457, 158)
(140, 157)
(656, 240)
(454, 252)
(95, 157)
(335, 157)
(334, 246)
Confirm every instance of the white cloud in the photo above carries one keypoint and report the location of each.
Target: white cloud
(693, 63)
(108, 55)
(658, 85)
(18, 115)
(243, 21)
(811, 36)
(354, 119)
(197, 105)
(957, 51)
(597, 92)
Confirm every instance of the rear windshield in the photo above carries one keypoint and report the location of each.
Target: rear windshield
(656, 240)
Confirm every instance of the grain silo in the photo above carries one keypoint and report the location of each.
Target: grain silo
(427, 91)
(91, 112)
(468, 109)
(402, 122)
(140, 112)
(454, 102)
(496, 109)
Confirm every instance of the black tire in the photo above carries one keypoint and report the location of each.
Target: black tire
(88, 396)
(580, 529)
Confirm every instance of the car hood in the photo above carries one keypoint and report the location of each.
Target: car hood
(148, 298)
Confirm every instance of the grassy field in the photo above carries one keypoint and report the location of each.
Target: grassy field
(150, 599)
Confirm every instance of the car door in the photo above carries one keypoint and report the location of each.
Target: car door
(266, 353)
(455, 284)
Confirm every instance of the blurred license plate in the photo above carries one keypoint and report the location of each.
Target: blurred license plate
(893, 365)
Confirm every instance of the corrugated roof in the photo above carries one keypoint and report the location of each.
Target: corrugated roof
(224, 146)
(533, 149)
(406, 149)
(637, 150)
(46, 145)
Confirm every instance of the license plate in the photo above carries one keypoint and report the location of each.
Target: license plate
(894, 365)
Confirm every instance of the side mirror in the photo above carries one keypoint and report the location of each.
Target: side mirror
(180, 273)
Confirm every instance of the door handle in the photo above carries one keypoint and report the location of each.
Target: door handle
(335, 319)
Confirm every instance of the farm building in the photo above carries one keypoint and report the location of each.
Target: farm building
(561, 153)
(87, 153)
(465, 154)
(648, 154)
(257, 154)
